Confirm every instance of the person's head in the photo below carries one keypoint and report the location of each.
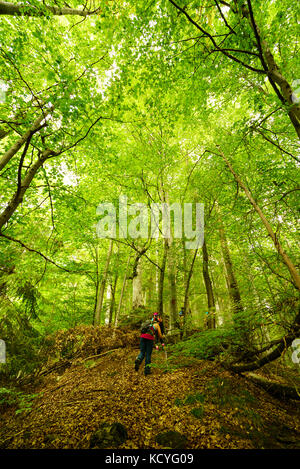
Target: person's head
(155, 316)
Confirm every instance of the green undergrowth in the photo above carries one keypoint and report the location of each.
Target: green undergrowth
(226, 342)
(21, 401)
(197, 399)
(222, 393)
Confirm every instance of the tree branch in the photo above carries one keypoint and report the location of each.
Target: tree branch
(33, 250)
(232, 57)
(22, 9)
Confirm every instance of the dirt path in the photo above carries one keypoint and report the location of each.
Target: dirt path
(210, 406)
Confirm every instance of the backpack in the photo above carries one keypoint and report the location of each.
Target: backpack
(147, 327)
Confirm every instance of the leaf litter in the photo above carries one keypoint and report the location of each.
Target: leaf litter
(212, 407)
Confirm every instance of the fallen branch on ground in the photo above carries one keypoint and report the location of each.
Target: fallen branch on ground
(282, 391)
(100, 354)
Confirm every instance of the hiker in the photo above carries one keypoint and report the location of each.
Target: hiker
(206, 320)
(147, 338)
(159, 320)
(181, 316)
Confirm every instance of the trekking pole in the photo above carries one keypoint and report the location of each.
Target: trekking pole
(166, 355)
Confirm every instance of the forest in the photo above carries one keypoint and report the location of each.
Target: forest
(149, 163)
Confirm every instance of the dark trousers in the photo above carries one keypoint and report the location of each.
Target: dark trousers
(146, 346)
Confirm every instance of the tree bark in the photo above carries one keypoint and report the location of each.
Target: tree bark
(4, 133)
(186, 293)
(273, 72)
(137, 287)
(173, 291)
(117, 316)
(20, 142)
(160, 303)
(211, 321)
(232, 285)
(113, 299)
(97, 282)
(101, 288)
(25, 183)
(20, 9)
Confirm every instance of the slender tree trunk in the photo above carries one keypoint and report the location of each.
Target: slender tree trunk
(157, 271)
(173, 292)
(186, 293)
(101, 288)
(117, 316)
(219, 315)
(232, 285)
(137, 288)
(113, 299)
(185, 269)
(160, 304)
(97, 282)
(285, 258)
(211, 322)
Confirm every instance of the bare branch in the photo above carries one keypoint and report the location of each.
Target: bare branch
(22, 9)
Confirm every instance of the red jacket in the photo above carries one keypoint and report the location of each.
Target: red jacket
(147, 336)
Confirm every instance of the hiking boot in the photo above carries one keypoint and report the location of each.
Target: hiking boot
(137, 364)
(147, 371)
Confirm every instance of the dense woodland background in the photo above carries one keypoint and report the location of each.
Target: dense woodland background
(188, 101)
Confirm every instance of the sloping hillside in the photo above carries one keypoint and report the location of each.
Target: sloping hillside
(210, 407)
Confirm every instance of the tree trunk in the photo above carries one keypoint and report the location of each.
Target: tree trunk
(218, 301)
(211, 320)
(281, 346)
(117, 316)
(137, 288)
(160, 304)
(185, 269)
(173, 292)
(97, 282)
(113, 299)
(25, 184)
(269, 67)
(233, 290)
(186, 293)
(272, 70)
(101, 288)
(4, 133)
(20, 9)
(282, 391)
(287, 261)
(20, 142)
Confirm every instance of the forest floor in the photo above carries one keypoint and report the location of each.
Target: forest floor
(212, 407)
